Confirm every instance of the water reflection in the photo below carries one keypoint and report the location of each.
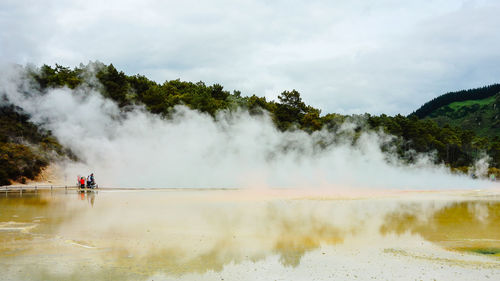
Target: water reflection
(133, 235)
(89, 195)
(467, 225)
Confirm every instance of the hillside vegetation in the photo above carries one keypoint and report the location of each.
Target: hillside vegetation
(481, 116)
(25, 149)
(452, 145)
(477, 110)
(448, 98)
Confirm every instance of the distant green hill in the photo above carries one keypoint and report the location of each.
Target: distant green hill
(477, 110)
(480, 116)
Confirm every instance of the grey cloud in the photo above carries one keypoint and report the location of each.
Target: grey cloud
(344, 56)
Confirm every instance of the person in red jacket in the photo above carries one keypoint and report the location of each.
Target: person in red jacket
(82, 182)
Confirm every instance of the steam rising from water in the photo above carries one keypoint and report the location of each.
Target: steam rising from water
(138, 149)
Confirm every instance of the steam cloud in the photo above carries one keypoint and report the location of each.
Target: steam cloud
(139, 149)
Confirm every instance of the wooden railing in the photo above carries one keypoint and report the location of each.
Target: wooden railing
(35, 187)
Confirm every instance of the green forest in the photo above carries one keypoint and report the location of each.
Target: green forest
(25, 149)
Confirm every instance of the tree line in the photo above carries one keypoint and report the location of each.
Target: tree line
(455, 147)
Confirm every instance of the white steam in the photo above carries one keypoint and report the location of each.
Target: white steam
(481, 166)
(139, 149)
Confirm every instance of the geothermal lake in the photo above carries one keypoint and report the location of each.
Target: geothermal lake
(248, 235)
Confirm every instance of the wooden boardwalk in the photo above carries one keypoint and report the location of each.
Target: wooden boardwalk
(28, 188)
(22, 188)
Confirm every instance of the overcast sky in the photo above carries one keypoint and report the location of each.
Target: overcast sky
(383, 56)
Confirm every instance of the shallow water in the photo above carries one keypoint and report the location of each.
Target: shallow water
(247, 235)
